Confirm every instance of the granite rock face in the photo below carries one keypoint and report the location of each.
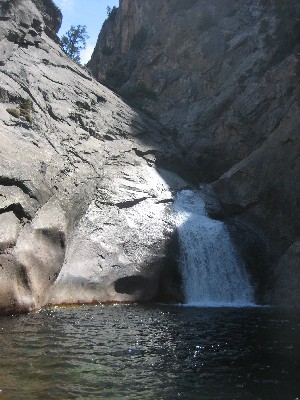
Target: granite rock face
(224, 78)
(284, 287)
(87, 181)
(263, 190)
(219, 75)
(84, 208)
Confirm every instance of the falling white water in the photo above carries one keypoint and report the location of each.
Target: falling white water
(211, 271)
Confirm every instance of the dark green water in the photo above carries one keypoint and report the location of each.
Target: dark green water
(151, 352)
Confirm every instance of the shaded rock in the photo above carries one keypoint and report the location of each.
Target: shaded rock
(262, 191)
(284, 287)
(224, 74)
(253, 247)
(15, 291)
(263, 188)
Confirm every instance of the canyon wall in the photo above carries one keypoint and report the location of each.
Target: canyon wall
(223, 77)
(87, 180)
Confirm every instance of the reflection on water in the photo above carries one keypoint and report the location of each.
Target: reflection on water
(150, 352)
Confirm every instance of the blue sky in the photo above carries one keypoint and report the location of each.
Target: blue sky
(91, 13)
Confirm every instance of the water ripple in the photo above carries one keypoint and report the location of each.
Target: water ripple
(150, 353)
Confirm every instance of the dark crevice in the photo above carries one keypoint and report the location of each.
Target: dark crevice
(130, 203)
(101, 99)
(18, 210)
(230, 210)
(84, 160)
(131, 284)
(109, 138)
(52, 115)
(5, 181)
(163, 201)
(123, 204)
(144, 153)
(24, 25)
(51, 144)
(52, 80)
(76, 71)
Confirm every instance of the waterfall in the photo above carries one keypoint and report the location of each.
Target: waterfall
(211, 271)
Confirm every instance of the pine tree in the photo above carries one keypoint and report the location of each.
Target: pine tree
(74, 40)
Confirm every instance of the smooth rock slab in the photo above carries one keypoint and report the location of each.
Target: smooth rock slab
(118, 250)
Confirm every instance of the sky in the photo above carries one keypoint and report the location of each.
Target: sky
(91, 13)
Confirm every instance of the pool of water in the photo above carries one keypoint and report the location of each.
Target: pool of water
(151, 352)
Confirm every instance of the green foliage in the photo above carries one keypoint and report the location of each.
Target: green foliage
(25, 110)
(139, 39)
(74, 40)
(15, 112)
(26, 105)
(29, 118)
(111, 12)
(137, 91)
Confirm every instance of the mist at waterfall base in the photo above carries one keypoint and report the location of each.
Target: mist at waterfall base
(212, 272)
(150, 352)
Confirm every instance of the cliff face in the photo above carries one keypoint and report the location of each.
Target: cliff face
(224, 78)
(87, 182)
(225, 73)
(82, 204)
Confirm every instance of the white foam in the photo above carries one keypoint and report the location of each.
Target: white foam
(213, 274)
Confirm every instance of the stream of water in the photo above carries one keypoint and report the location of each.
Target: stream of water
(212, 272)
